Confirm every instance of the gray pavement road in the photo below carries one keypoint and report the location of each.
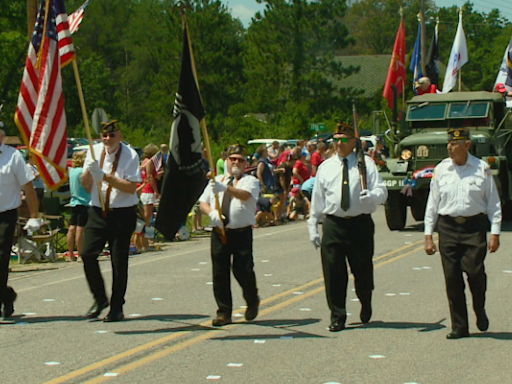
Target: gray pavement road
(168, 337)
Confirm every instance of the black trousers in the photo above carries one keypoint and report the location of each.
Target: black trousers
(238, 245)
(352, 240)
(7, 228)
(463, 248)
(117, 229)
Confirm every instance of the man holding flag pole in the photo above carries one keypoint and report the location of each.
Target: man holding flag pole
(177, 198)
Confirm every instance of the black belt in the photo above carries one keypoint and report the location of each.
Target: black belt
(463, 219)
(116, 209)
(238, 229)
(347, 217)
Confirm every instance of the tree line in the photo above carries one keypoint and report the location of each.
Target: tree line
(271, 79)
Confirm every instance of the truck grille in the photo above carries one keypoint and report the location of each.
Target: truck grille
(435, 153)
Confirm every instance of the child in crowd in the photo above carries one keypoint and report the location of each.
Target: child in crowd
(267, 210)
(297, 205)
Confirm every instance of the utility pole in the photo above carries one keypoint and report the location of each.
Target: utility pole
(423, 39)
(31, 16)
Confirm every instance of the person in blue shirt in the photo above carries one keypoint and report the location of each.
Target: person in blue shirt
(80, 200)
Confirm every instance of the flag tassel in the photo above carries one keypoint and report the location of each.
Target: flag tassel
(86, 123)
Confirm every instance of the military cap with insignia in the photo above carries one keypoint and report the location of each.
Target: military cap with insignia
(344, 129)
(458, 134)
(237, 149)
(109, 127)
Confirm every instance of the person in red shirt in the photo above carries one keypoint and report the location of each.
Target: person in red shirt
(318, 157)
(300, 170)
(423, 85)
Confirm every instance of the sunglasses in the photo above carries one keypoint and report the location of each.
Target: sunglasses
(343, 139)
(111, 135)
(236, 159)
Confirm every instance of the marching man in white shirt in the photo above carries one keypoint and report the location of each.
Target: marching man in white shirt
(14, 177)
(238, 194)
(117, 172)
(348, 228)
(463, 199)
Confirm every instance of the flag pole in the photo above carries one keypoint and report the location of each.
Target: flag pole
(460, 70)
(205, 134)
(403, 82)
(86, 123)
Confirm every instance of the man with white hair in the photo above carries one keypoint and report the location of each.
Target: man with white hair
(15, 176)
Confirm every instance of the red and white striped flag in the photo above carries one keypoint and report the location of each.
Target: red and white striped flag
(75, 19)
(40, 114)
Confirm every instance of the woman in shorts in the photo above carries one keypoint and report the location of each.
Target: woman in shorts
(150, 193)
(80, 200)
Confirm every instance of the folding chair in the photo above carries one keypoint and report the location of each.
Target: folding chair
(40, 245)
(57, 221)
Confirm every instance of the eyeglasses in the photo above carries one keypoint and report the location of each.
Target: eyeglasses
(236, 159)
(111, 135)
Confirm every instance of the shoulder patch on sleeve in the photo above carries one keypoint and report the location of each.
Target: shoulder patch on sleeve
(488, 171)
(434, 173)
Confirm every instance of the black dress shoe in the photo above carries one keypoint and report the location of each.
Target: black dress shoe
(221, 320)
(482, 321)
(95, 310)
(114, 316)
(9, 298)
(336, 326)
(366, 313)
(457, 334)
(252, 311)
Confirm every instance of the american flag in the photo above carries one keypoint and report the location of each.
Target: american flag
(75, 19)
(158, 161)
(40, 114)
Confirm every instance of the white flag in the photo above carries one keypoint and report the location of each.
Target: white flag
(458, 57)
(505, 73)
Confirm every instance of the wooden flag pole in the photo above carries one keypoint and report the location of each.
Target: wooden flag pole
(205, 133)
(86, 122)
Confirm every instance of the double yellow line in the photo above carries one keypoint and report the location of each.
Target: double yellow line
(386, 259)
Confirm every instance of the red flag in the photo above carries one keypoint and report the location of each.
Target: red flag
(397, 71)
(40, 114)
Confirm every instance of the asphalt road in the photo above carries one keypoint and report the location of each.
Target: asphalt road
(168, 336)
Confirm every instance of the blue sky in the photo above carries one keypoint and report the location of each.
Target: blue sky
(245, 9)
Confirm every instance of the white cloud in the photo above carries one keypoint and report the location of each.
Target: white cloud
(243, 13)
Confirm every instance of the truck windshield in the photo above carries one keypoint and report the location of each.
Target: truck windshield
(426, 111)
(468, 110)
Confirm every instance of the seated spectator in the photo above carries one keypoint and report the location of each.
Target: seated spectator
(267, 209)
(379, 152)
(298, 205)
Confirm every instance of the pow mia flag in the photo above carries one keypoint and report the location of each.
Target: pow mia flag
(184, 178)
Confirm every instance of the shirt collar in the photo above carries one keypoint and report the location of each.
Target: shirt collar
(349, 157)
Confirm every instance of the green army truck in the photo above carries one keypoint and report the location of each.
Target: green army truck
(419, 143)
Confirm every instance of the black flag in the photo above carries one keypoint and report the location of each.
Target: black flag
(433, 61)
(184, 178)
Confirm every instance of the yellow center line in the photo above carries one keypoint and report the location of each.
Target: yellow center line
(187, 343)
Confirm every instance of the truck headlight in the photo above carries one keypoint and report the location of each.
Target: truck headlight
(406, 154)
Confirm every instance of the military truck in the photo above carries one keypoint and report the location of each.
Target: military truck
(419, 142)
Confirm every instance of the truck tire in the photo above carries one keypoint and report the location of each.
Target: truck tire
(396, 211)
(418, 206)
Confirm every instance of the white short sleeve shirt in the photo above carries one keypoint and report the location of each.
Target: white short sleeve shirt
(14, 173)
(127, 169)
(242, 213)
